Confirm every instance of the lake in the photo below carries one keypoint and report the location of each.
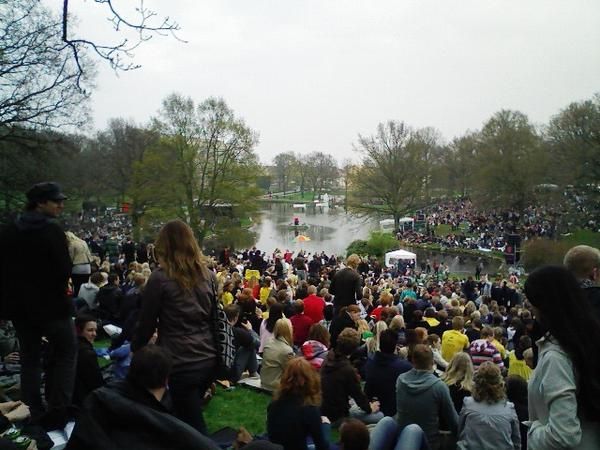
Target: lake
(331, 230)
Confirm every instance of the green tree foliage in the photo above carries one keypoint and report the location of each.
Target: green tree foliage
(458, 165)
(203, 170)
(322, 171)
(300, 172)
(284, 169)
(390, 179)
(574, 141)
(540, 252)
(378, 244)
(30, 158)
(510, 161)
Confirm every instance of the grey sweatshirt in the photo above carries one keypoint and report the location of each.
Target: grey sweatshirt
(424, 399)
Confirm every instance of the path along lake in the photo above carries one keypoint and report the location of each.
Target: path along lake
(331, 230)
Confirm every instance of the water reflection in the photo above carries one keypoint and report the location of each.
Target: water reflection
(331, 230)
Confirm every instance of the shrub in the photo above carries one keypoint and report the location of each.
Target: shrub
(540, 252)
(359, 246)
(381, 242)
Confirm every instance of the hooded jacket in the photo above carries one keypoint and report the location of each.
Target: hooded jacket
(34, 240)
(88, 292)
(424, 399)
(125, 416)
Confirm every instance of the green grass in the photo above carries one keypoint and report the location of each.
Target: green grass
(586, 237)
(241, 407)
(445, 229)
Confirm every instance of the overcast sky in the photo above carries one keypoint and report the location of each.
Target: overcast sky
(310, 75)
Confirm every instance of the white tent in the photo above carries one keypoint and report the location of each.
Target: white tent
(392, 258)
(407, 221)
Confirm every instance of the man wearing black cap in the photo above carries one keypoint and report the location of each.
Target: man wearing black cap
(34, 272)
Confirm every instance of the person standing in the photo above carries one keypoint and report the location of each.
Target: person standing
(346, 285)
(42, 308)
(81, 259)
(180, 300)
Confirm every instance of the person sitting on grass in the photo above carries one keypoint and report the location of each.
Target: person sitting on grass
(130, 414)
(246, 344)
(487, 421)
(459, 378)
(383, 370)
(87, 374)
(316, 347)
(278, 351)
(301, 323)
(294, 416)
(424, 399)
(340, 382)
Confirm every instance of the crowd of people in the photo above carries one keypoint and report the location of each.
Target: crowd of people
(392, 357)
(473, 229)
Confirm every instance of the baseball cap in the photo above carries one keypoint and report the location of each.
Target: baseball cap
(42, 192)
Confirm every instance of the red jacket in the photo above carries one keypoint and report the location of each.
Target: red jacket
(301, 323)
(313, 307)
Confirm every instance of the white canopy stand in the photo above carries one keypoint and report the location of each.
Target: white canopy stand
(407, 220)
(299, 205)
(392, 258)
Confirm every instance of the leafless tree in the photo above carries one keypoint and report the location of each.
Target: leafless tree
(47, 72)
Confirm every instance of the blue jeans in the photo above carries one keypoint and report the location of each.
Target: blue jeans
(60, 362)
(245, 359)
(366, 418)
(326, 428)
(388, 436)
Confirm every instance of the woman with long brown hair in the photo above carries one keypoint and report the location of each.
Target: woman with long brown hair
(179, 300)
(294, 414)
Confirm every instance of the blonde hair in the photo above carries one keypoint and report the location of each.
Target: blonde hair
(373, 342)
(397, 323)
(283, 329)
(582, 260)
(460, 372)
(352, 261)
(362, 326)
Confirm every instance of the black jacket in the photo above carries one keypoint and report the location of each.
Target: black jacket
(289, 423)
(33, 240)
(339, 381)
(593, 296)
(337, 326)
(87, 375)
(110, 299)
(382, 372)
(124, 416)
(346, 287)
